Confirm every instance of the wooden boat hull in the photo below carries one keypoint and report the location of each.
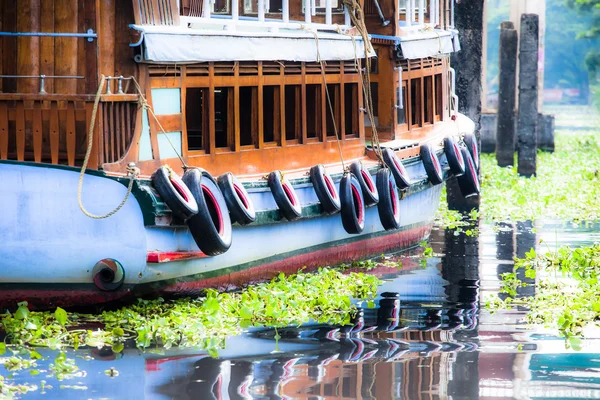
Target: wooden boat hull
(49, 246)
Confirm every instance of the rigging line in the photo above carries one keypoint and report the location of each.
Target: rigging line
(144, 105)
(323, 75)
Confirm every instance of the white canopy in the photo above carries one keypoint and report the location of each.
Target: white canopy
(428, 43)
(184, 45)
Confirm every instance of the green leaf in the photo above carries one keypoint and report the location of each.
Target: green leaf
(2, 348)
(119, 332)
(118, 347)
(22, 312)
(61, 316)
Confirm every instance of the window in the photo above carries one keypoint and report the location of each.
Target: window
(248, 116)
(271, 6)
(351, 109)
(271, 114)
(314, 109)
(439, 101)
(196, 112)
(428, 99)
(336, 6)
(415, 102)
(224, 117)
(293, 113)
(334, 96)
(401, 98)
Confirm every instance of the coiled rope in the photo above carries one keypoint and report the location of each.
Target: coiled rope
(132, 170)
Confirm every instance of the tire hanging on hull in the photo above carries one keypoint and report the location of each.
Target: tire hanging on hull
(238, 201)
(369, 190)
(471, 143)
(456, 162)
(285, 196)
(432, 165)
(353, 204)
(469, 181)
(211, 227)
(397, 168)
(325, 189)
(175, 193)
(389, 201)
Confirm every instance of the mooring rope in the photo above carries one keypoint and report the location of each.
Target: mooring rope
(132, 170)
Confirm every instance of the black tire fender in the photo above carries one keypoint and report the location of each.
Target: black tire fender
(285, 196)
(389, 200)
(238, 200)
(398, 170)
(211, 227)
(469, 181)
(432, 165)
(369, 189)
(471, 142)
(325, 189)
(175, 193)
(456, 162)
(353, 204)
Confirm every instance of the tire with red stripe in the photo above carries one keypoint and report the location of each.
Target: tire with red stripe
(431, 162)
(389, 201)
(174, 193)
(395, 165)
(211, 227)
(367, 184)
(456, 162)
(325, 189)
(353, 204)
(285, 196)
(238, 201)
(471, 143)
(469, 181)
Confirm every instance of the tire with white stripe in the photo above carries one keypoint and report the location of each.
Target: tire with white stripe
(353, 204)
(175, 193)
(389, 201)
(456, 162)
(325, 189)
(471, 143)
(367, 184)
(211, 227)
(285, 196)
(397, 168)
(432, 165)
(469, 181)
(237, 198)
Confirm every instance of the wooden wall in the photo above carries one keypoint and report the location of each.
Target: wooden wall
(109, 54)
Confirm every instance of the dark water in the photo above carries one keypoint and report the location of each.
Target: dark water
(427, 338)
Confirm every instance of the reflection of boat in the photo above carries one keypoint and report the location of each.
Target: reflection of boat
(237, 86)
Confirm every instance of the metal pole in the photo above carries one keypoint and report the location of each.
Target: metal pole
(328, 15)
(235, 10)
(261, 10)
(421, 12)
(286, 11)
(307, 11)
(206, 9)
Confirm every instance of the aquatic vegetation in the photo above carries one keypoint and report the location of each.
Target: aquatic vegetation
(323, 297)
(567, 294)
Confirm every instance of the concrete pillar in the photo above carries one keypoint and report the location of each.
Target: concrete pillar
(546, 132)
(528, 94)
(505, 131)
(469, 22)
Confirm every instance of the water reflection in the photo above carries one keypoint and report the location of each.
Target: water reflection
(427, 337)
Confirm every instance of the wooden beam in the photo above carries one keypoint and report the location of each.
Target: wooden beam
(66, 48)
(47, 43)
(3, 131)
(37, 131)
(70, 133)
(261, 122)
(20, 131)
(211, 109)
(54, 133)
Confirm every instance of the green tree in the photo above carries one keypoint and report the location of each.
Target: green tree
(590, 9)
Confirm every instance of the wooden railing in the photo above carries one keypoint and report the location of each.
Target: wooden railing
(54, 128)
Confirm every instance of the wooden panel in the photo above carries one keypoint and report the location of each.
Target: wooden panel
(28, 48)
(91, 56)
(106, 37)
(70, 133)
(93, 162)
(259, 110)
(37, 131)
(47, 43)
(20, 131)
(1, 43)
(65, 50)
(54, 133)
(3, 131)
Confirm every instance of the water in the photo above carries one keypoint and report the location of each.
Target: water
(428, 338)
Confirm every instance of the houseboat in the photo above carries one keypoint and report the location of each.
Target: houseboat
(166, 146)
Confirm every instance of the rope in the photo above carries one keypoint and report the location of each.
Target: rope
(358, 20)
(132, 170)
(331, 111)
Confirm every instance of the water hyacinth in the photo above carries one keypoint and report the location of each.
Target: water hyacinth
(323, 297)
